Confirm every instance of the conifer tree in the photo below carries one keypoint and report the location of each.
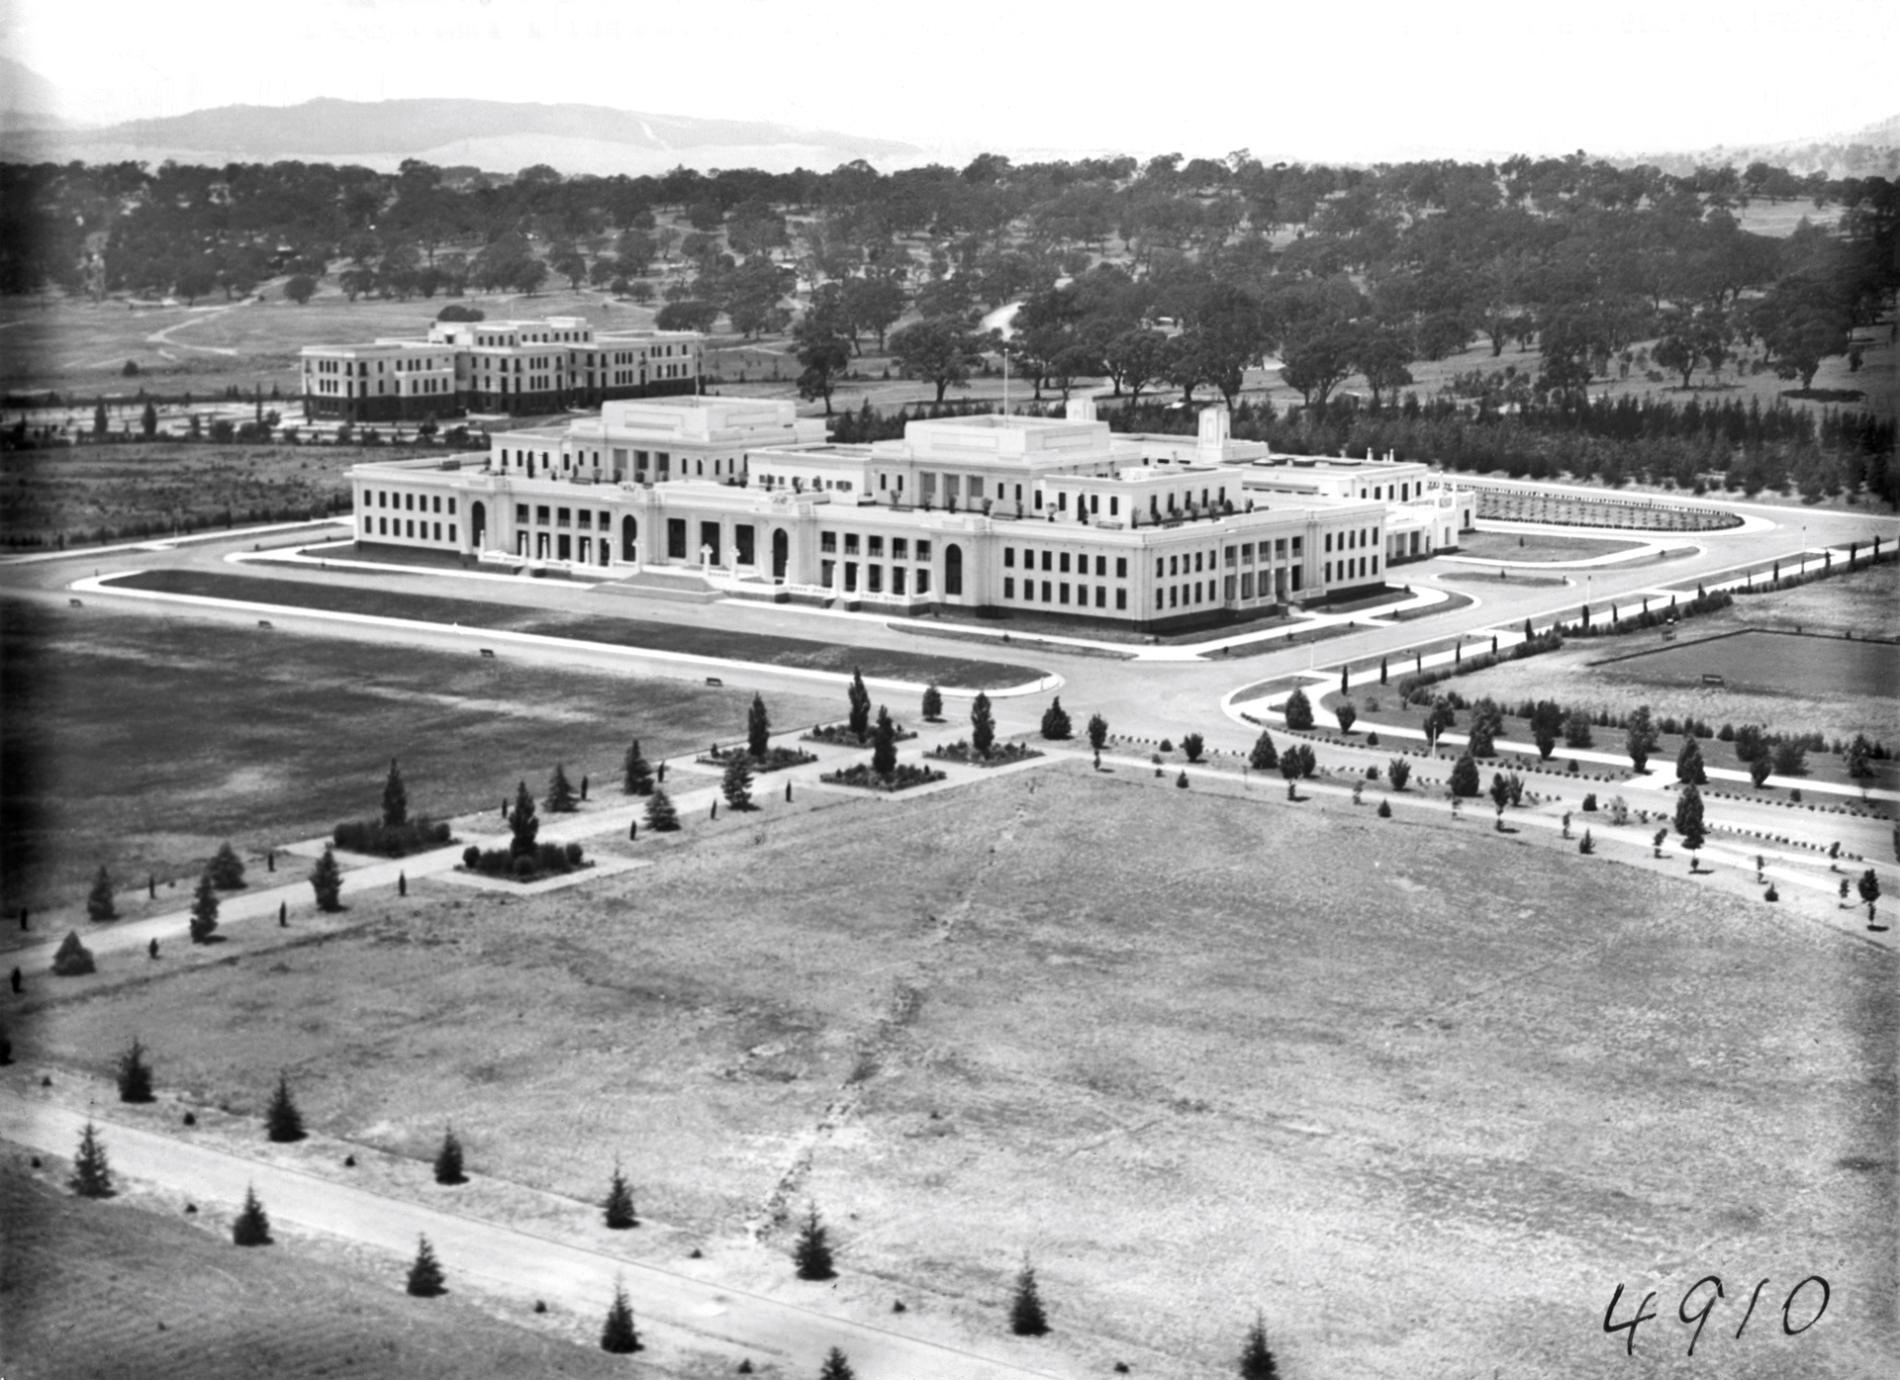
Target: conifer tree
(1026, 1317)
(836, 1367)
(226, 868)
(1464, 776)
(1097, 731)
(1055, 720)
(204, 909)
(282, 1121)
(1256, 1362)
(92, 1176)
(860, 701)
(736, 784)
(99, 904)
(326, 880)
(1639, 738)
(982, 725)
(448, 1160)
(619, 1205)
(758, 727)
(638, 776)
(524, 826)
(1689, 766)
(933, 704)
(1299, 711)
(135, 1075)
(561, 797)
(1688, 821)
(73, 958)
(425, 1276)
(395, 799)
(811, 1253)
(1264, 756)
(661, 816)
(1398, 771)
(252, 1227)
(884, 744)
(618, 1335)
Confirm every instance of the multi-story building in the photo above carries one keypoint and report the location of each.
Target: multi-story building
(497, 366)
(1052, 516)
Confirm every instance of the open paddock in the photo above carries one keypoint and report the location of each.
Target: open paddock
(1463, 1077)
(1768, 663)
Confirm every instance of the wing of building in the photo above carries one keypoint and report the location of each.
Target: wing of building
(1001, 513)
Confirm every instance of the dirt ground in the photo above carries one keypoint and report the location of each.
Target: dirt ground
(1425, 1113)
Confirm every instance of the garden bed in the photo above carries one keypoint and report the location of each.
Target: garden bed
(380, 840)
(839, 735)
(775, 759)
(904, 776)
(999, 755)
(547, 860)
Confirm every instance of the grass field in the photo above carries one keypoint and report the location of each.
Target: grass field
(1425, 1110)
(692, 639)
(99, 1291)
(121, 488)
(144, 743)
(1773, 663)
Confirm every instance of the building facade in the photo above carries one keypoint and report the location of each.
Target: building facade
(991, 513)
(509, 367)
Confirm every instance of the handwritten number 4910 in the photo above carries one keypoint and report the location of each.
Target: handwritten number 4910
(1699, 1315)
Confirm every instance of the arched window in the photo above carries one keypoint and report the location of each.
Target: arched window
(953, 571)
(629, 544)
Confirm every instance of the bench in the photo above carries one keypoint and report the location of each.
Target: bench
(264, 623)
(75, 604)
(1708, 679)
(714, 680)
(488, 652)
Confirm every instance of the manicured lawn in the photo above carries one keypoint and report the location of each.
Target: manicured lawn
(950, 672)
(143, 744)
(1773, 663)
(1532, 547)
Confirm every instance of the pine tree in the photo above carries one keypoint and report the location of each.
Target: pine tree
(884, 744)
(99, 904)
(1639, 738)
(811, 1253)
(758, 727)
(1464, 776)
(425, 1276)
(135, 1075)
(448, 1161)
(395, 799)
(661, 816)
(1382, 670)
(1688, 821)
(836, 1367)
(1026, 1318)
(92, 1176)
(1299, 711)
(1256, 1362)
(1055, 720)
(1264, 756)
(1689, 766)
(982, 725)
(326, 880)
(148, 420)
(73, 958)
(1097, 731)
(523, 824)
(736, 785)
(204, 909)
(252, 1227)
(638, 776)
(618, 1334)
(561, 797)
(619, 1204)
(283, 1122)
(227, 868)
(933, 704)
(860, 701)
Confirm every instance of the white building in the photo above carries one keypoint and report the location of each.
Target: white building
(999, 513)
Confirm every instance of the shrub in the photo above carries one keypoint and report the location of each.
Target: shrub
(1771, 894)
(99, 904)
(1097, 731)
(1167, 745)
(326, 881)
(1298, 710)
(73, 959)
(1590, 803)
(471, 857)
(1182, 780)
(1263, 757)
(1398, 771)
(1586, 844)
(1193, 746)
(1347, 717)
(1055, 721)
(661, 816)
(1464, 776)
(933, 704)
(1385, 809)
(383, 840)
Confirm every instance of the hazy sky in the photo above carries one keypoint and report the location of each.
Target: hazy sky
(1365, 79)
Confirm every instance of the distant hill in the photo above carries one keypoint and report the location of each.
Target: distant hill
(27, 100)
(501, 136)
(1871, 151)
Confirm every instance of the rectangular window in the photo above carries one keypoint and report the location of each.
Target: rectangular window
(923, 577)
(1062, 592)
(898, 574)
(1121, 600)
(850, 543)
(828, 541)
(1009, 558)
(900, 548)
(875, 546)
(1064, 564)
(1101, 567)
(1047, 595)
(521, 513)
(676, 539)
(923, 554)
(1009, 587)
(1046, 560)
(874, 578)
(1121, 567)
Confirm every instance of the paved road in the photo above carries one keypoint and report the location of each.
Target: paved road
(672, 1310)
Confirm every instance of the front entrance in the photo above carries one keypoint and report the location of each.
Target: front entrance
(477, 525)
(781, 552)
(953, 571)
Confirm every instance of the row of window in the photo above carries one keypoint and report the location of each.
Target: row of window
(1357, 569)
(1057, 592)
(874, 546)
(582, 518)
(902, 578)
(406, 527)
(383, 498)
(1062, 562)
(1353, 540)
